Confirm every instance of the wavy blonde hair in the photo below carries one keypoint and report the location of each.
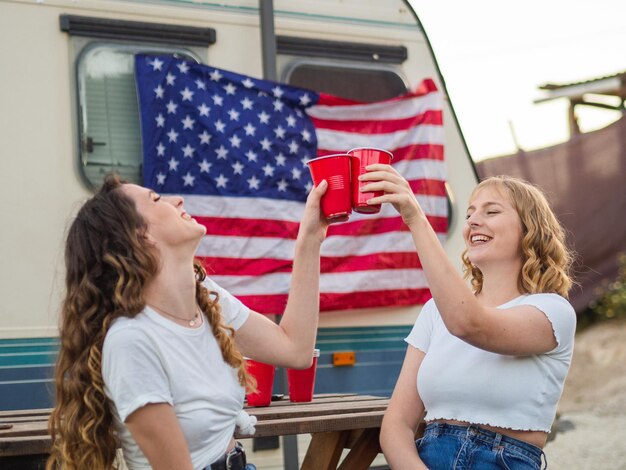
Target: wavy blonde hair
(546, 259)
(108, 264)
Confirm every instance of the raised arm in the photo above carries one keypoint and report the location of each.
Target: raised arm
(403, 415)
(522, 330)
(291, 343)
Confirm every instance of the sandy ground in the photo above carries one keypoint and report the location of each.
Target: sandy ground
(591, 429)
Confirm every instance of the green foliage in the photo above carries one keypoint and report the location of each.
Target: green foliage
(611, 301)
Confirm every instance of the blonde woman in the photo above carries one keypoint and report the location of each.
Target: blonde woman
(484, 366)
(151, 348)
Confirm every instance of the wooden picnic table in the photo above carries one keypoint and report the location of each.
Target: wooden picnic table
(335, 421)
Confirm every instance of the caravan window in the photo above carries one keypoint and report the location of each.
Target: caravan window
(110, 138)
(358, 82)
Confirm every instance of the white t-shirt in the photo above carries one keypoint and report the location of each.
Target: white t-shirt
(150, 359)
(457, 381)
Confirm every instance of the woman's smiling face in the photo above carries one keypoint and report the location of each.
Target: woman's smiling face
(493, 229)
(168, 223)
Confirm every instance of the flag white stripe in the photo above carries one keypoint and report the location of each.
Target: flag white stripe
(425, 134)
(290, 211)
(399, 109)
(346, 282)
(281, 249)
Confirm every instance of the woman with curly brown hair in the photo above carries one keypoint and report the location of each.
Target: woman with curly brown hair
(151, 354)
(485, 366)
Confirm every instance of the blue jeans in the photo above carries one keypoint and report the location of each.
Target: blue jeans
(450, 447)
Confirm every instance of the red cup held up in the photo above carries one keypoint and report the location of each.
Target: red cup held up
(335, 169)
(360, 158)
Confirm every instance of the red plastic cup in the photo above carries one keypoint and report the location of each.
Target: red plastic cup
(264, 375)
(336, 202)
(359, 159)
(302, 382)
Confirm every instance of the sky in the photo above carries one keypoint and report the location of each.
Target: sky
(495, 54)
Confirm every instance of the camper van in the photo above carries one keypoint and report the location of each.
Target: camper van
(70, 116)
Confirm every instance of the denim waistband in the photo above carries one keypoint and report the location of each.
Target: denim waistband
(490, 438)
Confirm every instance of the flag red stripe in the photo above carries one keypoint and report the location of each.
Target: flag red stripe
(268, 304)
(217, 266)
(289, 230)
(427, 86)
(386, 126)
(410, 152)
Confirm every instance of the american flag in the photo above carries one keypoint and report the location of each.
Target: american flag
(236, 147)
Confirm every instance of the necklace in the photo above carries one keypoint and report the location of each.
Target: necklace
(191, 322)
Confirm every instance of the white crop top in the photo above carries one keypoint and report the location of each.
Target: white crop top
(150, 359)
(457, 381)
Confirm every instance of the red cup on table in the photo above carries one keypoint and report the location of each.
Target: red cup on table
(264, 376)
(335, 169)
(360, 158)
(302, 381)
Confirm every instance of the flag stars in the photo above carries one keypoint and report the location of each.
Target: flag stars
(291, 121)
(173, 164)
(215, 76)
(268, 170)
(308, 187)
(200, 85)
(235, 141)
(187, 94)
(233, 114)
(220, 126)
(173, 135)
(277, 92)
(171, 107)
(280, 159)
(264, 117)
(188, 179)
(170, 79)
(221, 152)
(188, 151)
(296, 173)
(188, 122)
(160, 150)
(250, 129)
(217, 100)
(158, 91)
(266, 144)
(160, 120)
(247, 103)
(306, 135)
(183, 67)
(293, 147)
(230, 89)
(221, 181)
(157, 64)
(253, 183)
(237, 168)
(282, 185)
(252, 157)
(160, 179)
(205, 137)
(280, 132)
(305, 99)
(278, 105)
(247, 83)
(203, 109)
(204, 166)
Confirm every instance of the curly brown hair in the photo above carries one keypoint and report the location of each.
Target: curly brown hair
(108, 264)
(547, 261)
